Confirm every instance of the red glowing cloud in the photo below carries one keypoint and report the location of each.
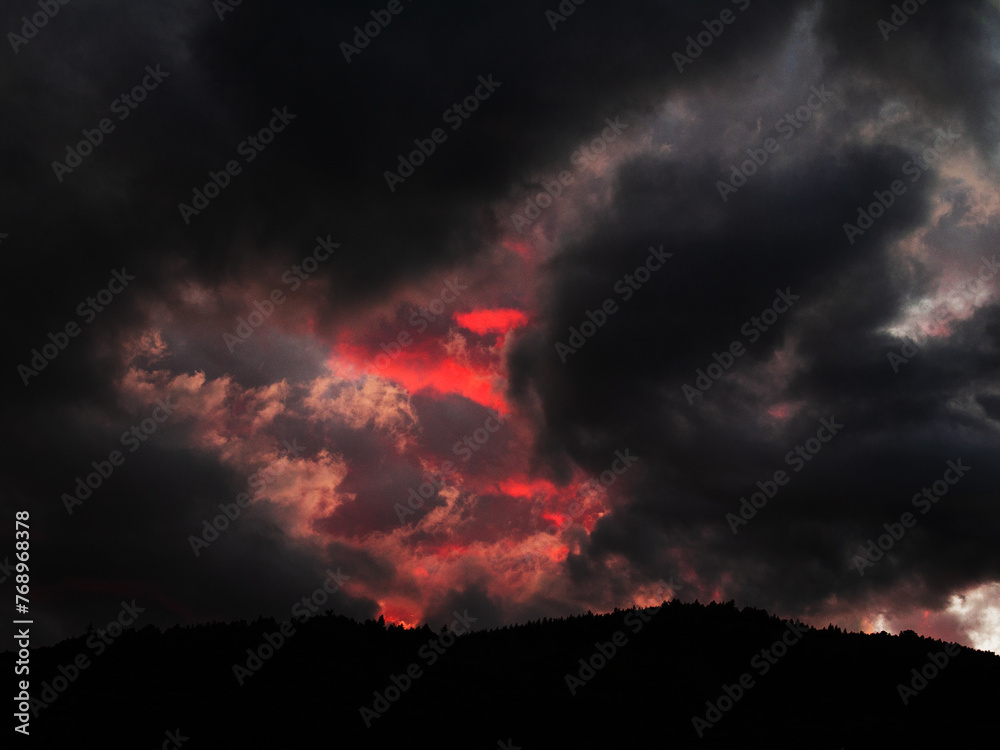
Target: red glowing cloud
(444, 364)
(491, 321)
(520, 247)
(427, 367)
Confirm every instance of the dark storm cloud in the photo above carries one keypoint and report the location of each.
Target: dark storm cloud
(324, 172)
(131, 537)
(940, 56)
(324, 175)
(783, 230)
(473, 602)
(726, 269)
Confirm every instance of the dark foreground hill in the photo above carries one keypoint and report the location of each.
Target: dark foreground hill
(739, 679)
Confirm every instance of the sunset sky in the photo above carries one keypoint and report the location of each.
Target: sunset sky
(505, 311)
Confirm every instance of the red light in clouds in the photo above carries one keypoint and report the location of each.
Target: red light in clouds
(396, 614)
(446, 550)
(780, 411)
(529, 490)
(423, 367)
(558, 554)
(520, 247)
(557, 519)
(445, 376)
(561, 506)
(491, 321)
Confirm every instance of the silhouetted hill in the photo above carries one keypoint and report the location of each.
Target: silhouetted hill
(827, 689)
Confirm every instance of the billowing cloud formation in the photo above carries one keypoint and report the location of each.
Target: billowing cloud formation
(686, 297)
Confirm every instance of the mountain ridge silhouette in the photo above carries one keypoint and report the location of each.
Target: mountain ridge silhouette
(694, 675)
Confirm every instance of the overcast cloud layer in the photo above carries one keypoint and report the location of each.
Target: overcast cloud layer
(431, 329)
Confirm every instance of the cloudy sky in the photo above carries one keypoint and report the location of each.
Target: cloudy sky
(505, 308)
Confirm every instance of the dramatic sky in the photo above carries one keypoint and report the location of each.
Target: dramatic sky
(584, 146)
